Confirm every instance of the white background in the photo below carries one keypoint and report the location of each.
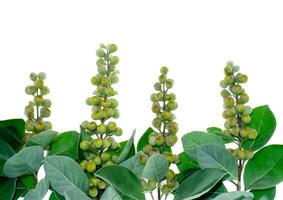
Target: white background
(193, 38)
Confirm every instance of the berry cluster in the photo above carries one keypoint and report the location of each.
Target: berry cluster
(237, 114)
(101, 128)
(39, 108)
(164, 137)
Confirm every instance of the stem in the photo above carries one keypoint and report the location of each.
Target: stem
(158, 192)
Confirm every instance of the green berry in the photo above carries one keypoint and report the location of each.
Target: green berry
(45, 112)
(30, 90)
(156, 122)
(156, 107)
(240, 108)
(246, 119)
(102, 69)
(147, 149)
(164, 70)
(33, 76)
(94, 181)
(244, 98)
(242, 78)
(105, 156)
(223, 84)
(118, 132)
(230, 111)
(102, 185)
(111, 126)
(41, 76)
(106, 143)
(225, 93)
(229, 101)
(252, 134)
(83, 164)
(172, 105)
(229, 79)
(91, 167)
(235, 131)
(101, 129)
(46, 103)
(165, 189)
(173, 127)
(151, 184)
(237, 89)
(169, 83)
(170, 174)
(91, 126)
(84, 145)
(228, 70)
(162, 78)
(100, 53)
(97, 143)
(171, 140)
(166, 115)
(159, 140)
(97, 160)
(39, 83)
(143, 158)
(93, 192)
(112, 48)
(157, 86)
(244, 132)
(38, 100)
(114, 60)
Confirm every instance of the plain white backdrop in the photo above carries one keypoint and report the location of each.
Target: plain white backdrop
(193, 38)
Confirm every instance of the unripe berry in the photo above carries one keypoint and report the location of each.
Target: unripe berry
(33, 76)
(235, 131)
(225, 93)
(115, 145)
(114, 103)
(172, 105)
(169, 83)
(100, 53)
(173, 127)
(94, 80)
(83, 164)
(246, 119)
(102, 69)
(102, 185)
(91, 167)
(165, 189)
(156, 107)
(229, 101)
(153, 98)
(114, 60)
(166, 115)
(244, 132)
(249, 154)
(228, 70)
(159, 140)
(101, 129)
(29, 125)
(244, 98)
(39, 83)
(252, 134)
(163, 70)
(157, 86)
(97, 143)
(162, 78)
(30, 90)
(170, 157)
(111, 126)
(39, 126)
(237, 89)
(106, 143)
(147, 149)
(118, 132)
(230, 111)
(112, 48)
(94, 181)
(240, 108)
(172, 97)
(151, 184)
(223, 84)
(105, 156)
(93, 192)
(110, 91)
(97, 160)
(170, 174)
(151, 139)
(45, 112)
(232, 122)
(143, 158)
(91, 126)
(248, 110)
(229, 79)
(38, 100)
(84, 145)
(242, 154)
(157, 123)
(47, 125)
(242, 78)
(46, 103)
(171, 140)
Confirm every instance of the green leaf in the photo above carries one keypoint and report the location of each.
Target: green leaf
(265, 169)
(214, 192)
(65, 174)
(7, 188)
(144, 141)
(66, 144)
(127, 150)
(24, 184)
(134, 165)
(199, 184)
(42, 139)
(218, 131)
(27, 161)
(39, 192)
(110, 193)
(55, 196)
(187, 164)
(6, 151)
(263, 120)
(235, 196)
(217, 157)
(12, 131)
(75, 194)
(191, 141)
(266, 194)
(122, 180)
(156, 167)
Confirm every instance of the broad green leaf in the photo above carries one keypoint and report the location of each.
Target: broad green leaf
(134, 165)
(127, 150)
(39, 192)
(65, 174)
(191, 141)
(122, 180)
(7, 188)
(156, 167)
(75, 194)
(42, 139)
(263, 120)
(218, 131)
(214, 192)
(265, 169)
(144, 141)
(27, 161)
(217, 157)
(266, 194)
(66, 144)
(55, 196)
(186, 163)
(12, 131)
(6, 151)
(110, 193)
(235, 196)
(199, 184)
(24, 184)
